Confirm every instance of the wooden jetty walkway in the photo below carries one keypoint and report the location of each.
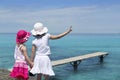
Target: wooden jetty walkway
(75, 61)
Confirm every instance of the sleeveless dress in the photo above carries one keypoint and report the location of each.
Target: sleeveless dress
(42, 62)
(20, 69)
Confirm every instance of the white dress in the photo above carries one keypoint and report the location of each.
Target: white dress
(42, 63)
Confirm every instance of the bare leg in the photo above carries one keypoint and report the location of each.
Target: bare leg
(46, 77)
(39, 76)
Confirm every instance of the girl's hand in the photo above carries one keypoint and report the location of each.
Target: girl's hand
(31, 65)
(70, 29)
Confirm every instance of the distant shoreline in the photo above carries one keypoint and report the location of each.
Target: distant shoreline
(80, 33)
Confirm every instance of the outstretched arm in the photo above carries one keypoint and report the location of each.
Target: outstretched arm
(62, 34)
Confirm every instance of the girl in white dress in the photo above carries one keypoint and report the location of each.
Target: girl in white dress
(41, 51)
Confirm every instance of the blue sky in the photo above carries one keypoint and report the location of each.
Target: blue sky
(85, 16)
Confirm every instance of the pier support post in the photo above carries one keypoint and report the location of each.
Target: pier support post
(75, 64)
(101, 59)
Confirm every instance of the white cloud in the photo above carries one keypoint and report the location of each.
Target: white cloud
(55, 13)
(83, 19)
(2, 11)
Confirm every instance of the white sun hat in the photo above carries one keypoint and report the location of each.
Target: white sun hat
(39, 29)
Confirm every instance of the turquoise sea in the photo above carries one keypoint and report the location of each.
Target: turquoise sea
(73, 45)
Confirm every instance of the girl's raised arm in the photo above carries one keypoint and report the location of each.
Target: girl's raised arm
(61, 35)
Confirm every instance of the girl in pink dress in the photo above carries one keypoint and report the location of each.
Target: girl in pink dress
(20, 69)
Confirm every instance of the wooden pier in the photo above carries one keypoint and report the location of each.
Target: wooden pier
(75, 61)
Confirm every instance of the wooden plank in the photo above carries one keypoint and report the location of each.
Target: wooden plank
(77, 58)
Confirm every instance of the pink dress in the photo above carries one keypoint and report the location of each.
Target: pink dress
(20, 69)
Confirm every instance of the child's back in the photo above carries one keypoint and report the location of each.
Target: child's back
(20, 69)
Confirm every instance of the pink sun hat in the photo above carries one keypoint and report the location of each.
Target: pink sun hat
(22, 36)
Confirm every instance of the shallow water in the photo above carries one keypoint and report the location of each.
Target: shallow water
(73, 45)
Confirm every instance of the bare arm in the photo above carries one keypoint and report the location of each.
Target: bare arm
(24, 51)
(33, 52)
(61, 35)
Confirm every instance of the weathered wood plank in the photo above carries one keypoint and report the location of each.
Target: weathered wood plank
(78, 58)
(75, 60)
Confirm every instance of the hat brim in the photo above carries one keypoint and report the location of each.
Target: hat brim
(24, 39)
(44, 30)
